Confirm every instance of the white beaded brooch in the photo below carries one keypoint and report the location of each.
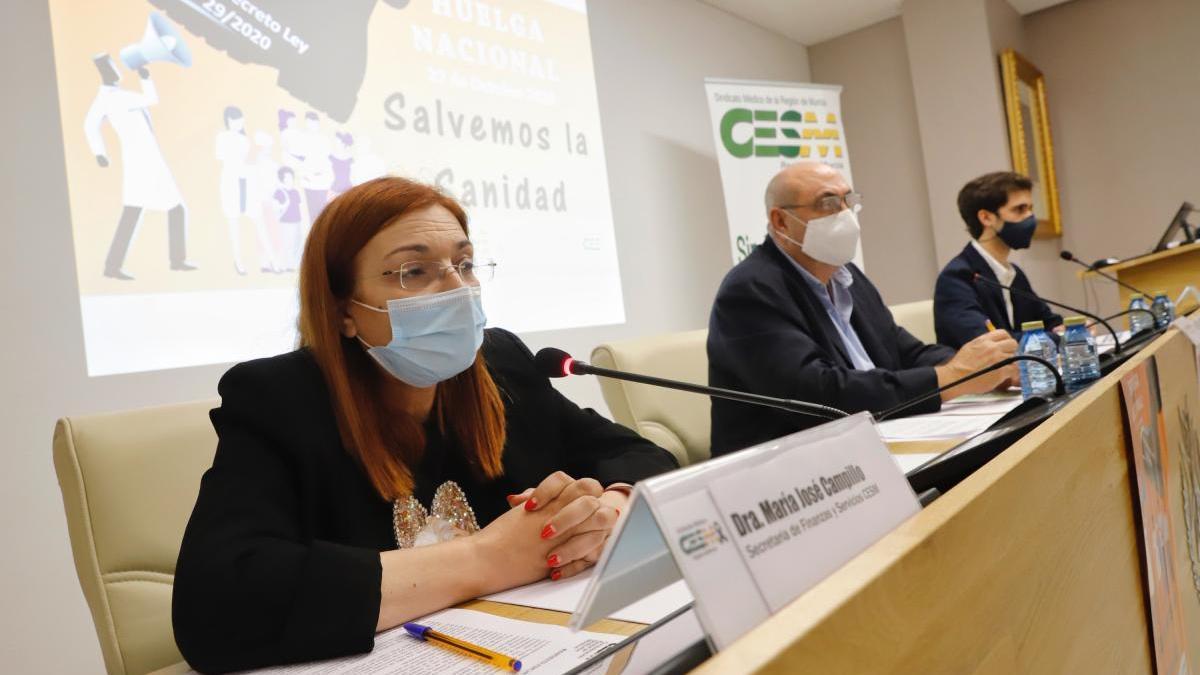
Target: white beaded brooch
(449, 516)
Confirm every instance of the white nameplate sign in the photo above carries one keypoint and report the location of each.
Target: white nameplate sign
(752, 530)
(800, 516)
(1189, 326)
(1188, 290)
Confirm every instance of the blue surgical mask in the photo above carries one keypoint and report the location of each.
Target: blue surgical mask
(434, 337)
(1018, 234)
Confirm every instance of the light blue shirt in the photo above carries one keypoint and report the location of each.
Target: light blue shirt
(839, 309)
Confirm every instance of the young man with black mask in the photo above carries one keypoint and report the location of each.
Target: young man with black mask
(998, 210)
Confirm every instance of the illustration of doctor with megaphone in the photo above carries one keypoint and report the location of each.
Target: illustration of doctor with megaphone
(147, 182)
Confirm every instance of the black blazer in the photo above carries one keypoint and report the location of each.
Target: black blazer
(769, 334)
(962, 308)
(280, 560)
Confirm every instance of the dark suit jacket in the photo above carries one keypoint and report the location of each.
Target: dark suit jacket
(769, 334)
(962, 308)
(280, 560)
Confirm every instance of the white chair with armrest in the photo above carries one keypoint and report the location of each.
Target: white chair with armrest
(916, 318)
(676, 420)
(129, 481)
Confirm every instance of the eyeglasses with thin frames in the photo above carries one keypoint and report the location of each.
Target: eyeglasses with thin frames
(832, 203)
(417, 275)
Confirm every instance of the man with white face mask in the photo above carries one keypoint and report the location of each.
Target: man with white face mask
(797, 319)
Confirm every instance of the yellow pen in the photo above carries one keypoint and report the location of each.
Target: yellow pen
(990, 326)
(462, 647)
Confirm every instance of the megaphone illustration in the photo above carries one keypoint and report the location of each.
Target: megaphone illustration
(160, 42)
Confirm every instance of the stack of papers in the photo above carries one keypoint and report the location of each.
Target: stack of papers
(1104, 341)
(911, 460)
(961, 418)
(541, 648)
(565, 595)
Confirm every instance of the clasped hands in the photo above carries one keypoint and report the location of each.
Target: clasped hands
(557, 529)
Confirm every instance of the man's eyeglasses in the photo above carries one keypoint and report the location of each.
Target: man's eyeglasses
(418, 275)
(831, 203)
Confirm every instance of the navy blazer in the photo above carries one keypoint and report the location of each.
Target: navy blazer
(962, 308)
(769, 334)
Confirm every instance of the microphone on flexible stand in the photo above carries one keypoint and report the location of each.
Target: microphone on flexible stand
(1066, 255)
(1059, 386)
(553, 362)
(1016, 291)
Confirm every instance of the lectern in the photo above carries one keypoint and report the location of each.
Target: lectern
(1171, 270)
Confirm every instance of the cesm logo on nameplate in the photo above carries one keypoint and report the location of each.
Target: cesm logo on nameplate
(701, 538)
(729, 602)
(798, 517)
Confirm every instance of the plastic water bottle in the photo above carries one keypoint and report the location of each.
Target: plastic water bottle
(1139, 320)
(1081, 366)
(1163, 308)
(1036, 379)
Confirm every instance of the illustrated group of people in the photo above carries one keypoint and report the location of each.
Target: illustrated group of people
(281, 194)
(275, 182)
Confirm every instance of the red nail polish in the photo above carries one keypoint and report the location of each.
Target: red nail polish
(552, 561)
(548, 531)
(556, 575)
(531, 504)
(512, 497)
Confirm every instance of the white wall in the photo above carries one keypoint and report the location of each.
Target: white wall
(651, 58)
(880, 114)
(1126, 123)
(1040, 261)
(672, 240)
(924, 92)
(946, 62)
(959, 109)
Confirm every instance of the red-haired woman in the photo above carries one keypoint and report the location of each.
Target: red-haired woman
(348, 472)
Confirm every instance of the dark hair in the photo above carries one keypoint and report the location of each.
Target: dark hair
(467, 406)
(233, 113)
(989, 192)
(284, 171)
(108, 70)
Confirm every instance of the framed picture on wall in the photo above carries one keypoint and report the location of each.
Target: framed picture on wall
(1029, 137)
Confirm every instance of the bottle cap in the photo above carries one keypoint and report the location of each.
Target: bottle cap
(1074, 321)
(1136, 296)
(1033, 325)
(1158, 293)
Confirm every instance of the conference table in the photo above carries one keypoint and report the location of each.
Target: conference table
(1031, 564)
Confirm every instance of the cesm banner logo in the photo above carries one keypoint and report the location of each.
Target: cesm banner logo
(760, 128)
